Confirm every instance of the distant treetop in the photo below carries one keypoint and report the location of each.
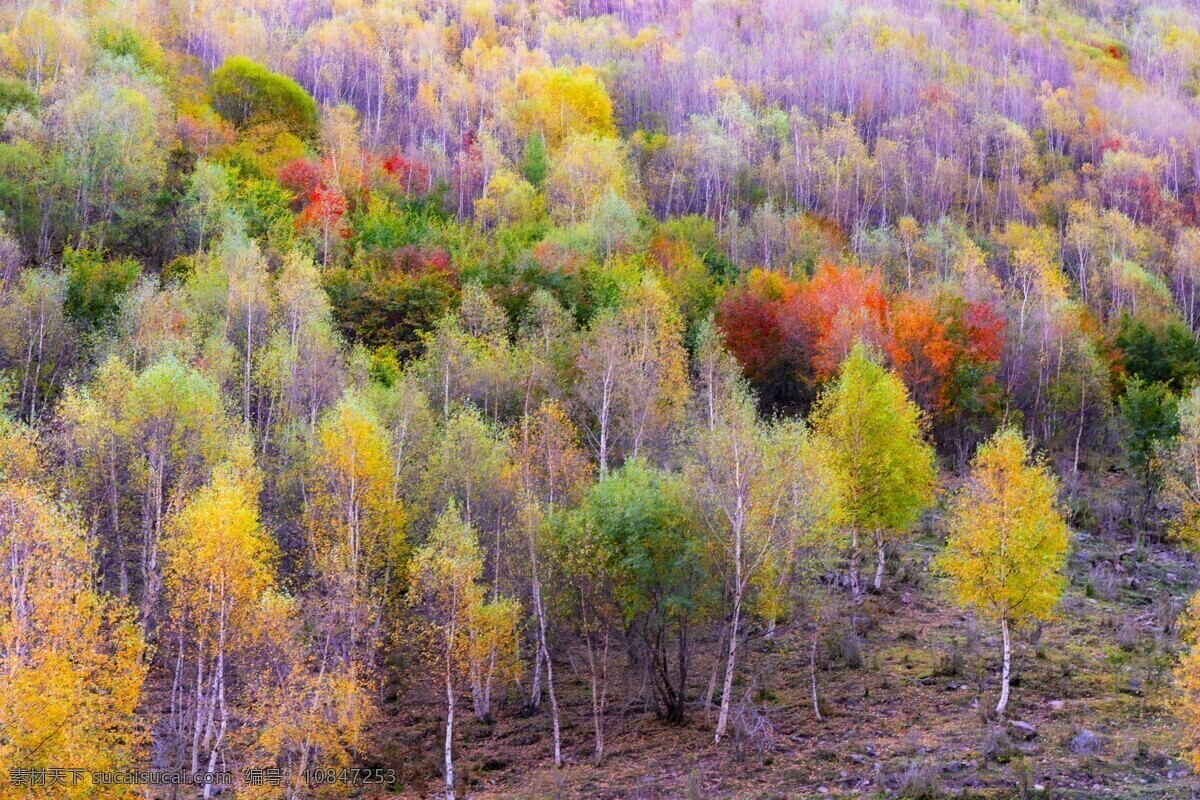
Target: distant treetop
(246, 93)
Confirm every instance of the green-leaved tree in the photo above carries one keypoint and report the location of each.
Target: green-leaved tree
(880, 460)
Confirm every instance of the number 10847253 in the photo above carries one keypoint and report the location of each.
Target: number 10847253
(355, 776)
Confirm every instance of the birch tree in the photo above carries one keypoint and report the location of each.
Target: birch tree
(744, 508)
(1008, 542)
(356, 526)
(72, 660)
(552, 469)
(878, 453)
(633, 374)
(219, 563)
(448, 596)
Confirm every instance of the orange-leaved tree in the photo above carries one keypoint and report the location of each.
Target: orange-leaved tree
(842, 307)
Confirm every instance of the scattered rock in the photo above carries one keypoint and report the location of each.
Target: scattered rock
(1022, 729)
(1037, 787)
(953, 767)
(1057, 705)
(1085, 743)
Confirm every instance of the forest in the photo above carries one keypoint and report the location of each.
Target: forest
(634, 399)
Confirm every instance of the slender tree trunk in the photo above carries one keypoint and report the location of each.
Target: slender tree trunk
(535, 692)
(1079, 434)
(544, 655)
(854, 586)
(730, 666)
(487, 685)
(879, 561)
(712, 678)
(1006, 669)
(680, 711)
(477, 702)
(216, 749)
(249, 357)
(219, 677)
(599, 684)
(599, 703)
(211, 721)
(812, 671)
(198, 721)
(177, 690)
(604, 435)
(558, 762)
(449, 747)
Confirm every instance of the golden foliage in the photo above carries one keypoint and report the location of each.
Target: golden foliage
(1008, 542)
(560, 102)
(71, 661)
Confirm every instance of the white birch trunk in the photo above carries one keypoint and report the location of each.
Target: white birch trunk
(1006, 669)
(879, 562)
(730, 666)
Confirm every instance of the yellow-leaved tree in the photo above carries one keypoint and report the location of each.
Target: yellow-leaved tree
(356, 523)
(219, 565)
(879, 458)
(1008, 541)
(557, 102)
(509, 199)
(1181, 467)
(304, 709)
(71, 659)
(585, 169)
(1187, 683)
(1181, 493)
(552, 470)
(458, 626)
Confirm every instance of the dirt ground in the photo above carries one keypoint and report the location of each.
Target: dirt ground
(909, 719)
